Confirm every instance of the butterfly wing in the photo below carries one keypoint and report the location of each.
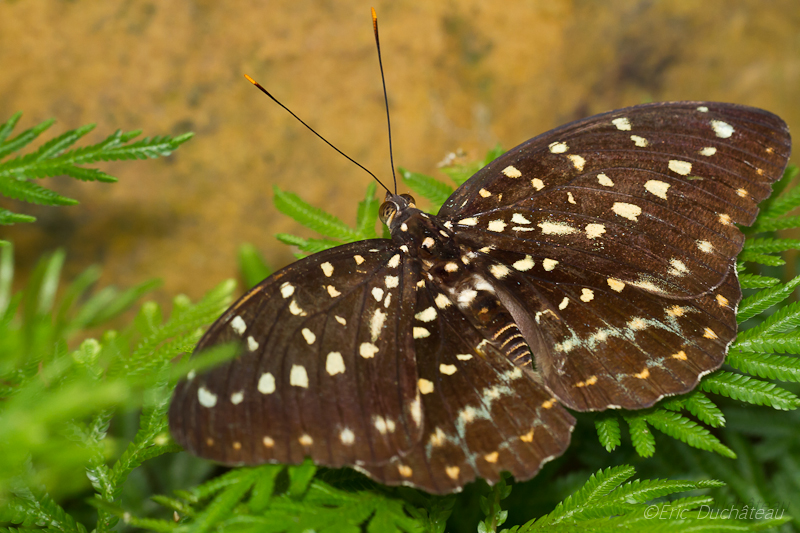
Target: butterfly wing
(638, 208)
(483, 415)
(325, 368)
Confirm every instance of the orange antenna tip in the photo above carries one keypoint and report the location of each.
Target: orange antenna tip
(374, 20)
(251, 80)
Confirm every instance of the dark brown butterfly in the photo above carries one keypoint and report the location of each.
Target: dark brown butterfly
(592, 267)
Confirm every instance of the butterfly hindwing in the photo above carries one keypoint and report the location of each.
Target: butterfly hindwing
(483, 414)
(319, 373)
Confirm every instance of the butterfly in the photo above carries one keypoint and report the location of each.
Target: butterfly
(589, 268)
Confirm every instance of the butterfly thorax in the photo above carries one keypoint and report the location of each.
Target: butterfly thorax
(458, 271)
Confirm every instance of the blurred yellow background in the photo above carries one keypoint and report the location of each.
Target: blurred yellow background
(465, 74)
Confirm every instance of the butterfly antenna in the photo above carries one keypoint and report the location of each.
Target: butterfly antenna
(385, 98)
(263, 90)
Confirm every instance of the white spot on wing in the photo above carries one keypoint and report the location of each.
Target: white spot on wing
(511, 172)
(252, 344)
(558, 147)
(625, 210)
(427, 315)
(376, 324)
(287, 289)
(334, 364)
(266, 383)
(298, 377)
(471, 221)
(622, 123)
(347, 436)
(327, 269)
(425, 386)
(358, 259)
(615, 284)
(594, 230)
(206, 397)
(484, 193)
(340, 320)
(703, 109)
(604, 180)
(377, 293)
(499, 271)
(723, 130)
(708, 151)
(641, 142)
(705, 246)
(496, 225)
(577, 161)
(391, 281)
(657, 188)
(447, 369)
(549, 264)
(395, 260)
(238, 325)
(295, 309)
(556, 228)
(564, 303)
(587, 295)
(332, 291)
(367, 350)
(237, 397)
(420, 333)
(441, 301)
(519, 219)
(308, 335)
(523, 265)
(537, 184)
(680, 167)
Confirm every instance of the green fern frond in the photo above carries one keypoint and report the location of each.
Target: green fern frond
(367, 214)
(769, 246)
(642, 438)
(701, 406)
(318, 220)
(681, 428)
(750, 390)
(608, 431)
(53, 158)
(777, 342)
(631, 507)
(23, 139)
(306, 246)
(769, 366)
(785, 319)
(775, 224)
(782, 204)
(753, 305)
(754, 281)
(761, 259)
(252, 266)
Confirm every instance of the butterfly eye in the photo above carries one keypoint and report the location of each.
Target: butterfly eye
(409, 199)
(386, 211)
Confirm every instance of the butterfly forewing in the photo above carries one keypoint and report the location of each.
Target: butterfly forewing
(321, 371)
(483, 415)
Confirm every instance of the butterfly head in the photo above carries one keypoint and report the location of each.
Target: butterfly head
(396, 208)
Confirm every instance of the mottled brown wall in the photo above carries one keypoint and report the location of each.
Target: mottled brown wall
(461, 74)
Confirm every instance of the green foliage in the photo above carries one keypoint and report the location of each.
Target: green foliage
(58, 403)
(54, 158)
